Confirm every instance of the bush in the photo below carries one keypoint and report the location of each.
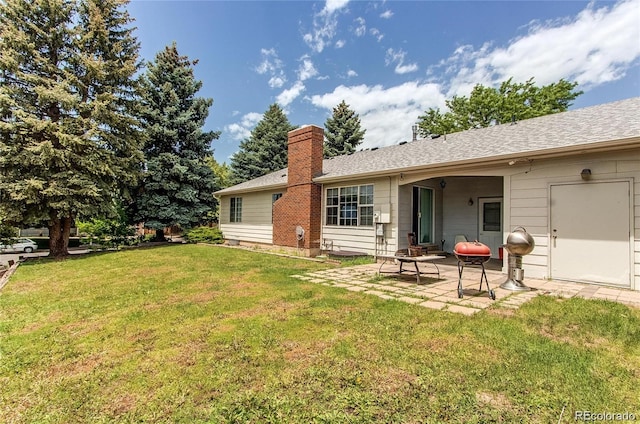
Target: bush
(204, 235)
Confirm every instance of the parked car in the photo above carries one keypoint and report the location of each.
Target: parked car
(20, 245)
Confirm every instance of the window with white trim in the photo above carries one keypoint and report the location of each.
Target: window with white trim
(236, 209)
(350, 206)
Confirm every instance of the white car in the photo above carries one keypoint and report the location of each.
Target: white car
(20, 245)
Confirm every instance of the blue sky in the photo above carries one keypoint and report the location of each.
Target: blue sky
(389, 60)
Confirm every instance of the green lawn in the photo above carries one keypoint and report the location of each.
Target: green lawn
(195, 333)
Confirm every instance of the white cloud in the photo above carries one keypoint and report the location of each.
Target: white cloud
(306, 69)
(397, 57)
(285, 98)
(270, 62)
(386, 113)
(333, 5)
(597, 46)
(361, 28)
(277, 82)
(340, 44)
(351, 73)
(387, 14)
(239, 131)
(325, 24)
(375, 32)
(272, 65)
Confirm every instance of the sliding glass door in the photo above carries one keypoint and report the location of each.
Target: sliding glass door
(422, 225)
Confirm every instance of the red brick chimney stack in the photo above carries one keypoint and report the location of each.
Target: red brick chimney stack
(301, 205)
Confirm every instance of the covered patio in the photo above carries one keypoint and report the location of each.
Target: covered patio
(440, 209)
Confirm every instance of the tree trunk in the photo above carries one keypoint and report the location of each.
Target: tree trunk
(59, 231)
(160, 235)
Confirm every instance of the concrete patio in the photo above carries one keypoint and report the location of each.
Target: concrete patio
(442, 293)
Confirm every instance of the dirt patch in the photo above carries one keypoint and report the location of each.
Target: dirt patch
(580, 342)
(189, 352)
(48, 320)
(204, 297)
(495, 400)
(303, 354)
(82, 328)
(121, 405)
(81, 366)
(435, 345)
(392, 380)
(502, 312)
(276, 310)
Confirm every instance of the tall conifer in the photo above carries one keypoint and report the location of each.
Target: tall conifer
(342, 131)
(178, 184)
(265, 150)
(67, 135)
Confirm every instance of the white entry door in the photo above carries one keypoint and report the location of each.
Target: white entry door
(490, 223)
(590, 232)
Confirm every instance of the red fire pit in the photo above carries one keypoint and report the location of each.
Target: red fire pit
(473, 253)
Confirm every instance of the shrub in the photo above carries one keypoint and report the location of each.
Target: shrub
(204, 235)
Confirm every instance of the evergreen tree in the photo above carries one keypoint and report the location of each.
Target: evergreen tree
(68, 138)
(342, 131)
(265, 150)
(6, 232)
(222, 172)
(488, 106)
(178, 185)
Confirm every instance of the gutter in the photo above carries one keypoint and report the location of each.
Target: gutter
(231, 190)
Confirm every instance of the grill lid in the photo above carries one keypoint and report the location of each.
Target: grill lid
(467, 248)
(519, 242)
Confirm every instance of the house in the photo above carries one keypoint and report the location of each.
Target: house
(571, 179)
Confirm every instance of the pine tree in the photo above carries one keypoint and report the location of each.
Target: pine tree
(67, 135)
(265, 150)
(178, 184)
(222, 172)
(342, 131)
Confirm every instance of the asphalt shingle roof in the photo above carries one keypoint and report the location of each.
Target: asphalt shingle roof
(581, 128)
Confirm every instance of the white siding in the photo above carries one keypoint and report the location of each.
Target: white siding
(529, 200)
(363, 239)
(256, 225)
(458, 217)
(248, 233)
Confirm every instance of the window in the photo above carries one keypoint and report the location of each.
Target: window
(236, 209)
(274, 197)
(492, 216)
(350, 206)
(366, 205)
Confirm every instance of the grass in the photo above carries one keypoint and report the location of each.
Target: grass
(193, 333)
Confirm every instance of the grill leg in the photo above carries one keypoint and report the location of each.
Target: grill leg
(483, 277)
(460, 269)
(492, 294)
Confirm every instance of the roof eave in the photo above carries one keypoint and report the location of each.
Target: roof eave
(231, 190)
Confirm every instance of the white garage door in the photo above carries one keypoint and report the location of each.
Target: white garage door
(590, 232)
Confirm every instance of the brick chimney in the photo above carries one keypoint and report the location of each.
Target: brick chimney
(301, 205)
